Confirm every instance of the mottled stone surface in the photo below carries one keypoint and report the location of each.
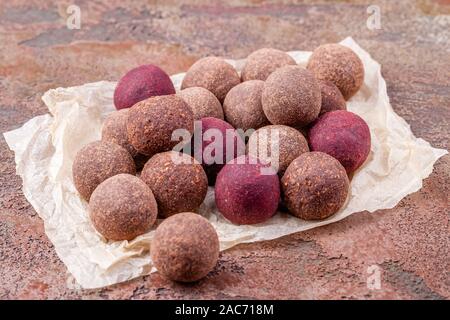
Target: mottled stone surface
(409, 243)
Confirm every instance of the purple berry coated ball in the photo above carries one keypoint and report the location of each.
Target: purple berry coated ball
(212, 152)
(247, 191)
(343, 135)
(142, 83)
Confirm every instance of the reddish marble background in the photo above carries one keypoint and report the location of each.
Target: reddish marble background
(410, 243)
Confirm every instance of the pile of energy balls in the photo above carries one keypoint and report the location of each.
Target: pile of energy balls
(277, 136)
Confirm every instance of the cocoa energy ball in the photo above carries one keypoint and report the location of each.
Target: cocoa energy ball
(291, 96)
(151, 123)
(277, 145)
(122, 207)
(338, 64)
(247, 191)
(96, 162)
(141, 83)
(202, 102)
(261, 63)
(211, 146)
(185, 247)
(212, 73)
(177, 181)
(115, 130)
(242, 106)
(343, 135)
(315, 186)
(332, 98)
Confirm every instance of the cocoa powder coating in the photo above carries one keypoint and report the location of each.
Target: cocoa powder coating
(96, 162)
(202, 102)
(122, 207)
(242, 106)
(185, 247)
(338, 64)
(212, 73)
(261, 63)
(332, 98)
(291, 96)
(177, 180)
(278, 145)
(114, 130)
(315, 186)
(151, 123)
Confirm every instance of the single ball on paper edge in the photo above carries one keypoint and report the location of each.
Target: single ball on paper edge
(152, 122)
(247, 191)
(177, 180)
(242, 106)
(185, 247)
(122, 207)
(338, 64)
(343, 135)
(141, 83)
(202, 102)
(277, 145)
(98, 161)
(315, 186)
(210, 147)
(291, 96)
(261, 63)
(212, 73)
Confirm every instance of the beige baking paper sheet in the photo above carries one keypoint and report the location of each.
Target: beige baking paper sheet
(45, 147)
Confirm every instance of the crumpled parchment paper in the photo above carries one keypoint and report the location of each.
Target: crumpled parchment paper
(45, 147)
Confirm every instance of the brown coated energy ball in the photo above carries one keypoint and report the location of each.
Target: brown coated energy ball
(277, 145)
(242, 106)
(340, 65)
(185, 247)
(212, 73)
(261, 63)
(114, 130)
(332, 98)
(151, 123)
(177, 180)
(96, 162)
(315, 186)
(202, 102)
(122, 207)
(291, 96)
